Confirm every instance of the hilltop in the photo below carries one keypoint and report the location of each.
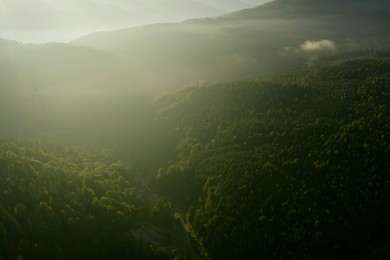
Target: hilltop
(267, 38)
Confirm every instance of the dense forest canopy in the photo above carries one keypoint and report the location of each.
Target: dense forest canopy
(65, 202)
(291, 166)
(258, 134)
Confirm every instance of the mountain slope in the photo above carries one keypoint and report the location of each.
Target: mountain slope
(57, 87)
(42, 21)
(290, 166)
(65, 202)
(299, 8)
(244, 44)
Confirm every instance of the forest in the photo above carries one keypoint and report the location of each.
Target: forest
(70, 203)
(288, 165)
(257, 134)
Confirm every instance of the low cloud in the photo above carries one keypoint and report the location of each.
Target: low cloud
(323, 45)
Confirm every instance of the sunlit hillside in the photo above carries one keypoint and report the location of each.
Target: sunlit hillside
(40, 21)
(261, 133)
(274, 36)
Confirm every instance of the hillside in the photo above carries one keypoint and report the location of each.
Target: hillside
(59, 201)
(289, 166)
(274, 36)
(259, 134)
(59, 20)
(288, 9)
(52, 88)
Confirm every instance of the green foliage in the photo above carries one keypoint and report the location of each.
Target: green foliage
(290, 165)
(64, 202)
(294, 165)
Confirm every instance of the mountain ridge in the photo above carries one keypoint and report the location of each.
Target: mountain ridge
(40, 21)
(243, 44)
(296, 8)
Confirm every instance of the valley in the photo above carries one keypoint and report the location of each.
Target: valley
(258, 134)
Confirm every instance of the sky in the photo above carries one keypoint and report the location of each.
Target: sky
(39, 21)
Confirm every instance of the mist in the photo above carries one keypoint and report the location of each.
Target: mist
(151, 60)
(194, 129)
(36, 21)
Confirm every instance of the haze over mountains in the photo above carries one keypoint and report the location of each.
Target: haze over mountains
(155, 59)
(56, 20)
(273, 36)
(256, 134)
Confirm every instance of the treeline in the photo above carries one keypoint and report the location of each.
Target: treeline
(291, 165)
(294, 165)
(62, 202)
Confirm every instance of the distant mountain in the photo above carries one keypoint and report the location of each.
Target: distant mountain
(286, 158)
(57, 20)
(55, 66)
(47, 87)
(273, 36)
(65, 82)
(311, 8)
